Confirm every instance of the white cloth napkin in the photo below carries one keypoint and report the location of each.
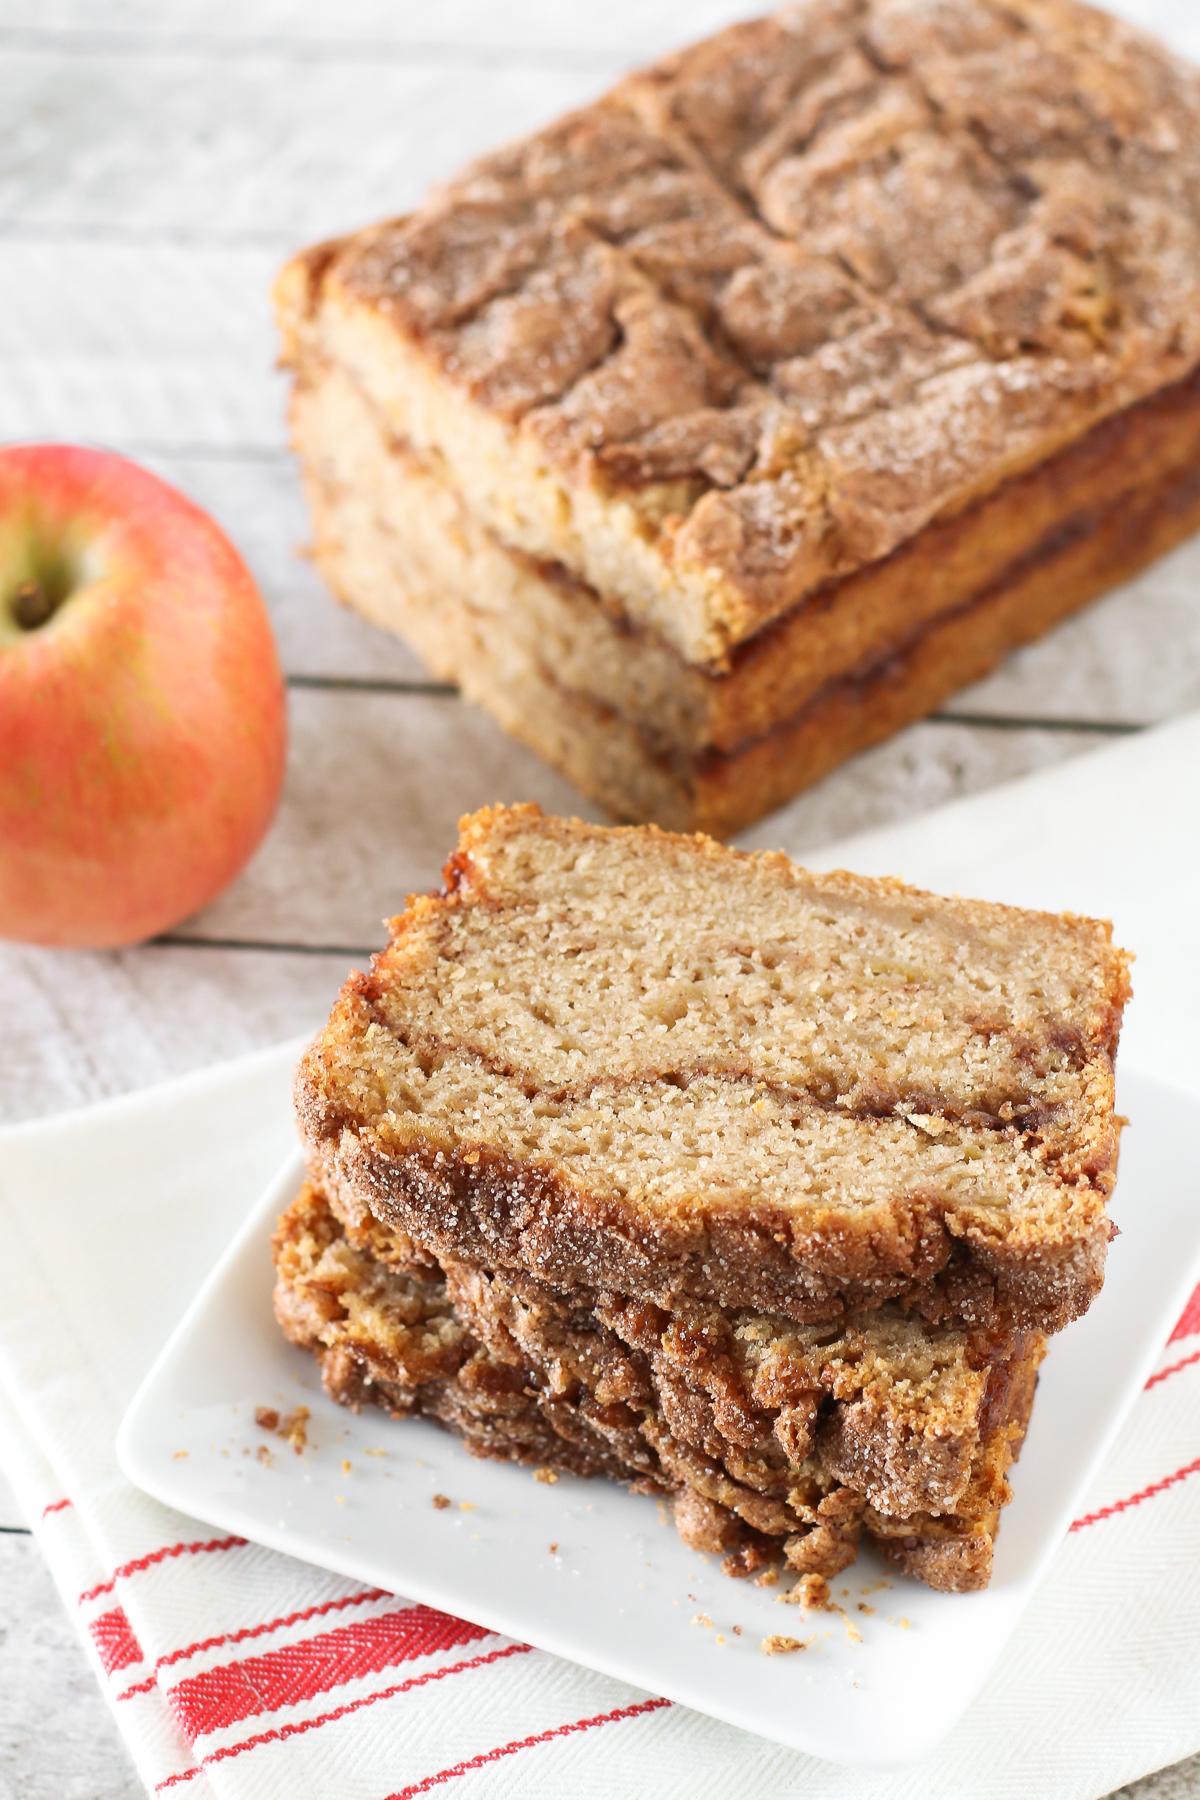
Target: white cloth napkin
(235, 1671)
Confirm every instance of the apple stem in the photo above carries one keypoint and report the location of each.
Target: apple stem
(31, 605)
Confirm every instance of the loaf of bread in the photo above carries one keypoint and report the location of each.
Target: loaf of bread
(635, 1155)
(733, 421)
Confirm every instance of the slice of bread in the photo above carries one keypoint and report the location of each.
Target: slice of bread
(770, 1437)
(621, 1059)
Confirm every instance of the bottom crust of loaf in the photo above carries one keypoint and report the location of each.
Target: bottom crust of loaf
(911, 1456)
(615, 710)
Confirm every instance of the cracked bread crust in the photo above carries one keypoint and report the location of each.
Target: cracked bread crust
(626, 1060)
(736, 1415)
(755, 318)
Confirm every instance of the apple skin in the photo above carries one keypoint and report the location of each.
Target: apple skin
(143, 725)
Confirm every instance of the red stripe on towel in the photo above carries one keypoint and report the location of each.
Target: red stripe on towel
(157, 1556)
(235, 1691)
(253, 1631)
(282, 1732)
(1189, 1320)
(1120, 1506)
(116, 1645)
(142, 1687)
(55, 1506)
(1184, 1363)
(542, 1737)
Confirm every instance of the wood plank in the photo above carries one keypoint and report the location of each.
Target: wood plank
(57, 1735)
(291, 152)
(80, 1026)
(620, 29)
(922, 767)
(627, 27)
(128, 345)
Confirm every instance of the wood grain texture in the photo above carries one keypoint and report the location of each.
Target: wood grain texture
(540, 30)
(184, 143)
(57, 1737)
(157, 162)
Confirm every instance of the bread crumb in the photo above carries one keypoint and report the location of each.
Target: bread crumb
(554, 1552)
(812, 1593)
(178, 1453)
(702, 1619)
(341, 1499)
(903, 1624)
(294, 1429)
(374, 1452)
(264, 1456)
(441, 1501)
(864, 1608)
(345, 1466)
(737, 1631)
(266, 1418)
(768, 1578)
(466, 1506)
(549, 1476)
(780, 1646)
(718, 1639)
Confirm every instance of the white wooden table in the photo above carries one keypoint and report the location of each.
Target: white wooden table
(156, 164)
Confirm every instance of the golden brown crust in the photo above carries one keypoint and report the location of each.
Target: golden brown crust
(737, 1415)
(474, 1204)
(953, 1554)
(728, 791)
(1047, 540)
(797, 291)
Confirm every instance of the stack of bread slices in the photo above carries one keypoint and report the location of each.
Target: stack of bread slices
(637, 1156)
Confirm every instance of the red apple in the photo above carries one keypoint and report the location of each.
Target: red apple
(142, 717)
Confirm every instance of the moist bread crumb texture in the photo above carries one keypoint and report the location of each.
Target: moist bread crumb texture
(639, 1156)
(729, 422)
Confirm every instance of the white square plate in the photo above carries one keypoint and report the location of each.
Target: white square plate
(585, 1570)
